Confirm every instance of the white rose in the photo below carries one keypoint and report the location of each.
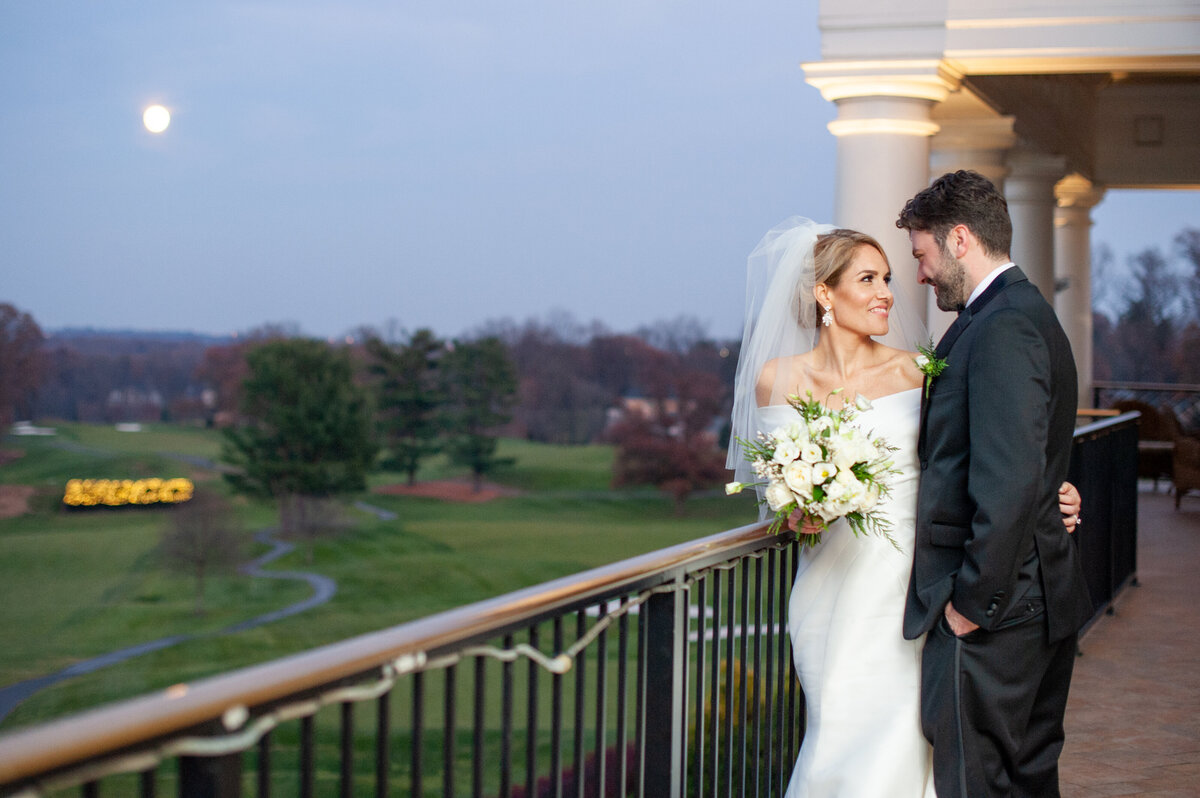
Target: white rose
(922, 361)
(822, 472)
(786, 451)
(820, 425)
(862, 402)
(797, 475)
(810, 453)
(846, 477)
(733, 487)
(846, 454)
(778, 496)
(835, 491)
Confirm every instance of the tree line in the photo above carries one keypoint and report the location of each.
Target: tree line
(309, 418)
(1146, 317)
(659, 394)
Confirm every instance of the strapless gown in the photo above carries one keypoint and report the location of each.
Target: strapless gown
(861, 678)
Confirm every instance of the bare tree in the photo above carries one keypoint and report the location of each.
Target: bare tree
(204, 537)
(676, 335)
(310, 518)
(1105, 292)
(1188, 341)
(1188, 242)
(21, 362)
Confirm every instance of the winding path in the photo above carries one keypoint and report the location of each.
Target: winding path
(323, 588)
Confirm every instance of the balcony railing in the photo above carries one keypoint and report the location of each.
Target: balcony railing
(668, 674)
(1182, 399)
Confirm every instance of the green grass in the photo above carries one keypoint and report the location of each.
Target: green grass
(77, 584)
(193, 441)
(539, 467)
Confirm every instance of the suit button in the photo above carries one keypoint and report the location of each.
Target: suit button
(991, 611)
(999, 595)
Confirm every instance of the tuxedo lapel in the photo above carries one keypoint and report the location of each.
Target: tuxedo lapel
(1003, 280)
(952, 333)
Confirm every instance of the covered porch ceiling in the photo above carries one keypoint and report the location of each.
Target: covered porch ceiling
(1118, 129)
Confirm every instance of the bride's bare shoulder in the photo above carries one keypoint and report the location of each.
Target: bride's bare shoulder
(781, 371)
(903, 364)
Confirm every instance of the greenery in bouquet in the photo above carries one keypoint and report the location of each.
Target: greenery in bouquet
(824, 465)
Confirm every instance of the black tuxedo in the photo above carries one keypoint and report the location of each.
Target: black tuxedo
(994, 446)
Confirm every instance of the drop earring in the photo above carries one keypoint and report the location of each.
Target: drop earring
(827, 319)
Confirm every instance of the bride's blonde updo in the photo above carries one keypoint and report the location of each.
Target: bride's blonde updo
(832, 253)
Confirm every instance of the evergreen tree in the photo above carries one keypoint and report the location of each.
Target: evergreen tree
(306, 427)
(481, 387)
(410, 398)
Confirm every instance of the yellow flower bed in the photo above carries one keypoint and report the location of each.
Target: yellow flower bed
(118, 492)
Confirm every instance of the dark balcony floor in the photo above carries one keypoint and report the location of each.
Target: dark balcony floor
(1133, 719)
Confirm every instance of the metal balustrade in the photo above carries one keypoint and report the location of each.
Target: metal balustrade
(667, 674)
(1104, 464)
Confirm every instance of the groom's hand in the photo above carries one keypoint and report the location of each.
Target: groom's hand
(959, 623)
(1069, 504)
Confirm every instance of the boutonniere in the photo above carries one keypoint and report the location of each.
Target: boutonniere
(930, 364)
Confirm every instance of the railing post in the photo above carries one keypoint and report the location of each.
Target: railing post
(665, 663)
(210, 776)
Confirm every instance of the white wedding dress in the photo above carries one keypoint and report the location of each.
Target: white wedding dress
(861, 678)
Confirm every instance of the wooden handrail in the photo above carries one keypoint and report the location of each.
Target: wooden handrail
(1105, 423)
(25, 754)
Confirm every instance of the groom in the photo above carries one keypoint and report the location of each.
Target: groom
(995, 583)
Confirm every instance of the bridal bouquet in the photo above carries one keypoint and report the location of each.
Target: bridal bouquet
(824, 465)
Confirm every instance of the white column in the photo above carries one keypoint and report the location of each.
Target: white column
(1029, 190)
(977, 143)
(883, 129)
(980, 144)
(1073, 270)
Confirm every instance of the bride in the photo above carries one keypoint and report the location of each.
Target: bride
(821, 316)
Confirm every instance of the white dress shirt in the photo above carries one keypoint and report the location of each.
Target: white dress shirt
(986, 281)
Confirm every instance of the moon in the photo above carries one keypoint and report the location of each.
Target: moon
(156, 118)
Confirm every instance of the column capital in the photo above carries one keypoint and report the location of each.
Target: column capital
(1076, 191)
(927, 79)
(1032, 175)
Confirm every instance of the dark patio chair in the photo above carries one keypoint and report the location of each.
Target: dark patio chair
(1156, 440)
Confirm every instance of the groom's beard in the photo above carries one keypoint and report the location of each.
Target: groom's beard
(950, 284)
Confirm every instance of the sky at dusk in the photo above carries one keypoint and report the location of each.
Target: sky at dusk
(428, 164)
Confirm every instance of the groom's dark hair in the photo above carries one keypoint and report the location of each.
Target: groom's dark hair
(966, 198)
